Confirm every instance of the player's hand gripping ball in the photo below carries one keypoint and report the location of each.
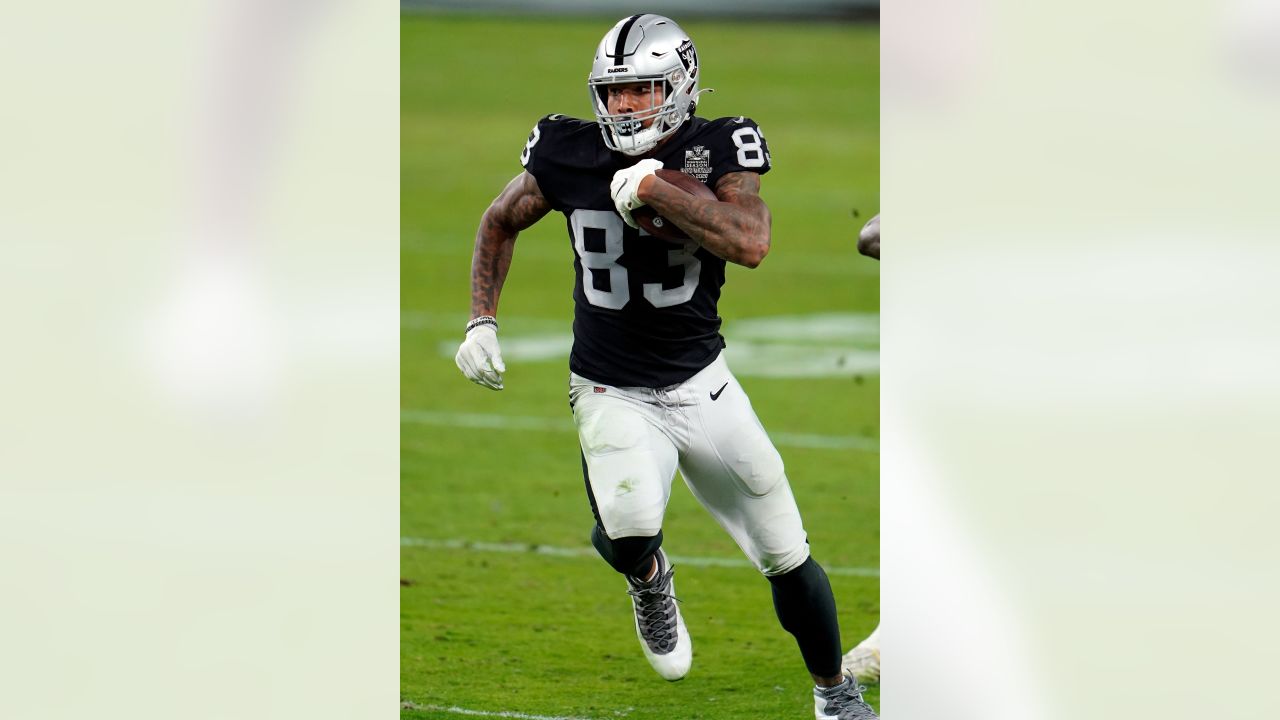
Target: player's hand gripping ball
(651, 222)
(624, 188)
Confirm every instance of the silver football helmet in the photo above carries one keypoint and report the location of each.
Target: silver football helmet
(645, 48)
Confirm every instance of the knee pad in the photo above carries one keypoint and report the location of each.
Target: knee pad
(780, 563)
(628, 555)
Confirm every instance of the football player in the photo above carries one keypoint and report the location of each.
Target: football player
(869, 238)
(863, 661)
(649, 388)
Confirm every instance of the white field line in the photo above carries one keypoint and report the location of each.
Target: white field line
(405, 705)
(545, 424)
(586, 552)
(748, 358)
(822, 345)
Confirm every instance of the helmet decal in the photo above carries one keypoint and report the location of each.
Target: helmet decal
(688, 55)
(620, 46)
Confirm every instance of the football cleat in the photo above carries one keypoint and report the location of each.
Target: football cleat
(658, 623)
(842, 702)
(863, 663)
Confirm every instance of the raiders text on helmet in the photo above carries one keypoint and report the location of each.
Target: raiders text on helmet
(644, 48)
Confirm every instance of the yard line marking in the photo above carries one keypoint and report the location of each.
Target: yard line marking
(858, 329)
(406, 705)
(816, 345)
(748, 358)
(586, 552)
(526, 422)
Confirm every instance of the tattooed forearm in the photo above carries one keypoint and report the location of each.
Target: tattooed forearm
(489, 265)
(520, 205)
(736, 228)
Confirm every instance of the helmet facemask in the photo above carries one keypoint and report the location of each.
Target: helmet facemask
(654, 51)
(625, 132)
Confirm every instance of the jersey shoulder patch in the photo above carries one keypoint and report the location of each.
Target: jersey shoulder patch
(732, 144)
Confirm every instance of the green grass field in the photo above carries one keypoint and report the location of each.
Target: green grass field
(499, 630)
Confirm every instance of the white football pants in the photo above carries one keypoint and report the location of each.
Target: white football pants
(634, 438)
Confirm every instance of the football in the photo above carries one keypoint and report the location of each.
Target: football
(651, 222)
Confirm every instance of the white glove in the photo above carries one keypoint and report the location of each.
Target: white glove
(625, 185)
(479, 357)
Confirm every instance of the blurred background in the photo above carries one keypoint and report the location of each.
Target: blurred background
(862, 10)
(200, 267)
(198, 463)
(499, 579)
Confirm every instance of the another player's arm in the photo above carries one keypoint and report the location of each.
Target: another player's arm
(735, 228)
(869, 238)
(519, 205)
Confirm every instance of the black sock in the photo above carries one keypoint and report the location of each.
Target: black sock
(653, 567)
(807, 609)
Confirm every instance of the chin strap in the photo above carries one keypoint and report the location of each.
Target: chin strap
(693, 101)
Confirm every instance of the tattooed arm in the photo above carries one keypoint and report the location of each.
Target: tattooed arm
(736, 228)
(520, 205)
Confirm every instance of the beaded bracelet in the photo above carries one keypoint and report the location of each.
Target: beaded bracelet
(482, 320)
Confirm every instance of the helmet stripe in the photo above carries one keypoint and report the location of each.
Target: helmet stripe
(621, 45)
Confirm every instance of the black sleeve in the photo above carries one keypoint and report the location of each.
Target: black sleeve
(738, 145)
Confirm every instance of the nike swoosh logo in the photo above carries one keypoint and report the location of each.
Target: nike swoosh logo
(716, 395)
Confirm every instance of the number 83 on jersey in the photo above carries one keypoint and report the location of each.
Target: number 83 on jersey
(606, 225)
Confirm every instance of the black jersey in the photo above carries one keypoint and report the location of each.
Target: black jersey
(644, 308)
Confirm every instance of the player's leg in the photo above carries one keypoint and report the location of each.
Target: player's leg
(628, 463)
(734, 470)
(863, 661)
